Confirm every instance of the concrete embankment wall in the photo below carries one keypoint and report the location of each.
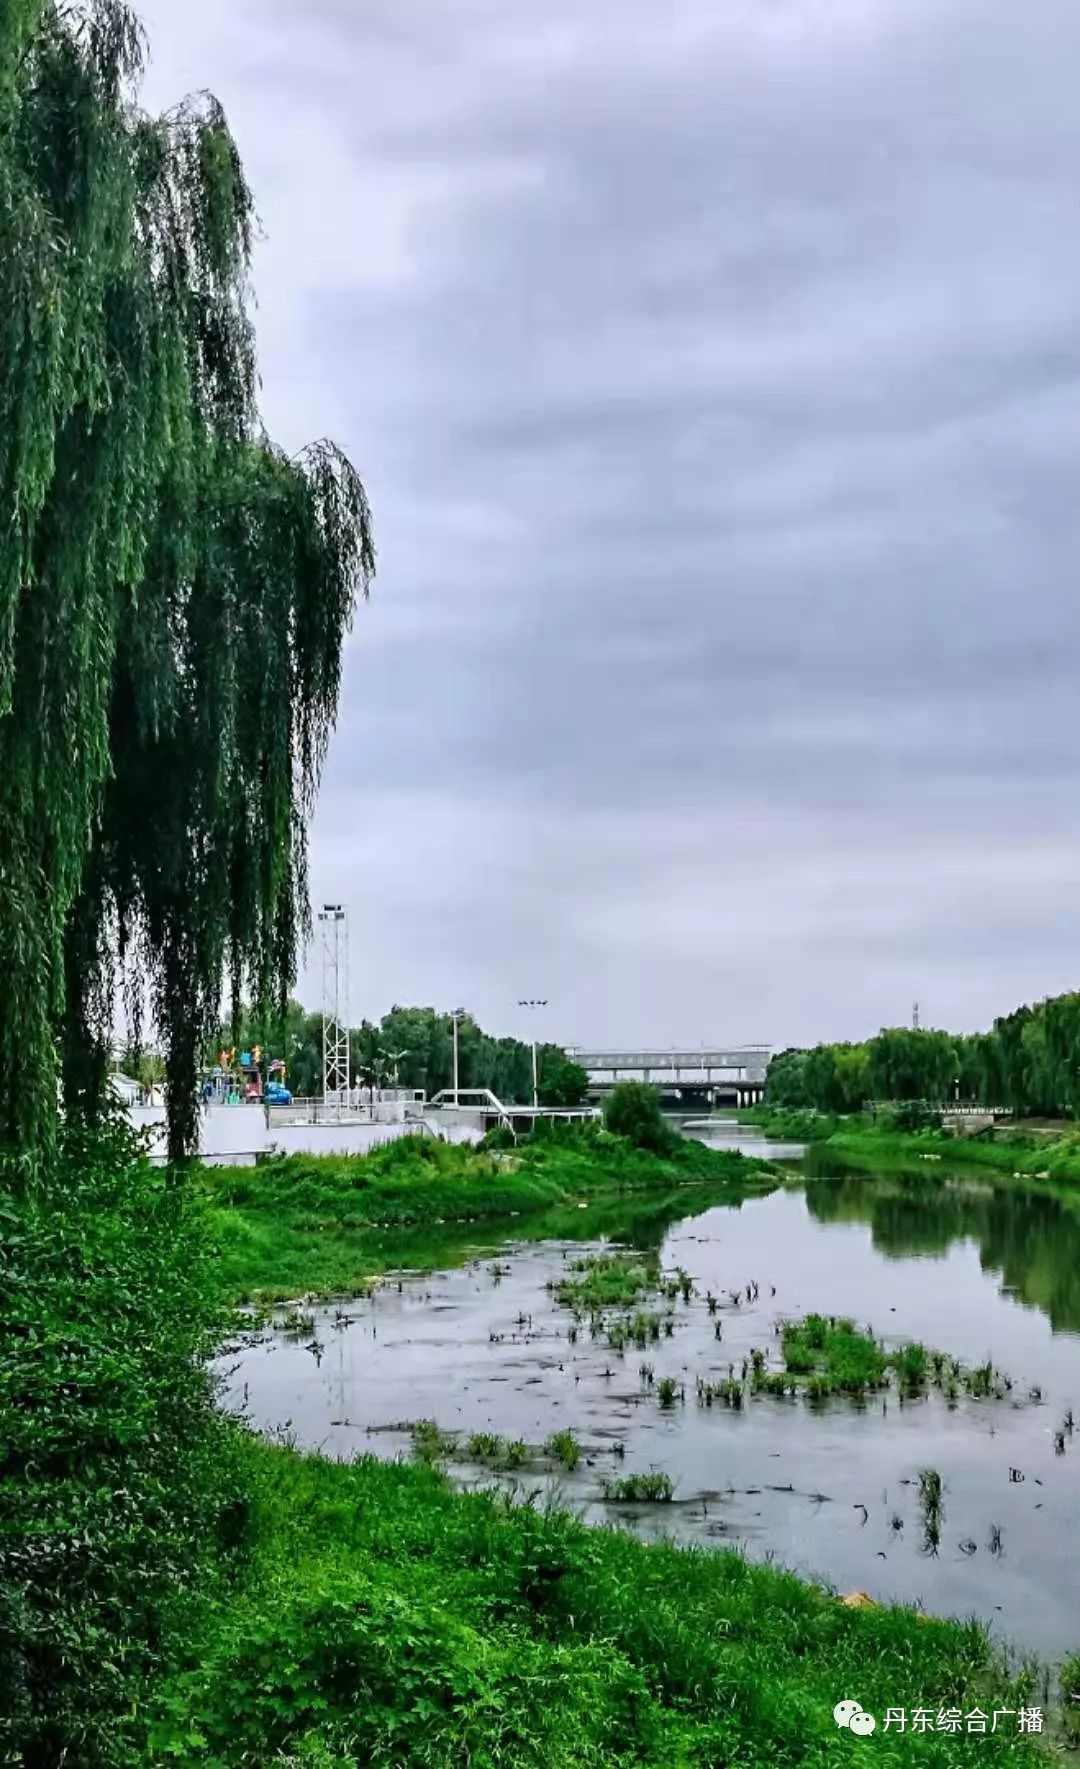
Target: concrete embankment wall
(236, 1134)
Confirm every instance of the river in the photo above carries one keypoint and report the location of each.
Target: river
(968, 1267)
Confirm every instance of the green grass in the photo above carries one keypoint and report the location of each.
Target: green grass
(325, 1225)
(827, 1355)
(834, 1354)
(376, 1617)
(1043, 1153)
(607, 1280)
(1037, 1154)
(565, 1448)
(640, 1489)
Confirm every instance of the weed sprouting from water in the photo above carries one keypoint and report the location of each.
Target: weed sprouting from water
(729, 1393)
(640, 1489)
(833, 1355)
(931, 1508)
(930, 1488)
(483, 1446)
(429, 1443)
(564, 1446)
(667, 1392)
(607, 1280)
(645, 1371)
(911, 1364)
(775, 1382)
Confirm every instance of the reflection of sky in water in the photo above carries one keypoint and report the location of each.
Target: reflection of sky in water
(974, 1272)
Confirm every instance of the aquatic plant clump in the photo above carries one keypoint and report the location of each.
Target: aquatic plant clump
(565, 1448)
(829, 1355)
(607, 1280)
(833, 1353)
(640, 1489)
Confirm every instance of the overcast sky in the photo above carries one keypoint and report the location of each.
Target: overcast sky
(714, 372)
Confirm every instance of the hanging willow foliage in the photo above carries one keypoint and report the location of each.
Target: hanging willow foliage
(174, 591)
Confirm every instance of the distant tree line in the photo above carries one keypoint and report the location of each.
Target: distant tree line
(412, 1047)
(1029, 1062)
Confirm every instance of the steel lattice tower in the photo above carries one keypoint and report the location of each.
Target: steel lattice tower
(333, 921)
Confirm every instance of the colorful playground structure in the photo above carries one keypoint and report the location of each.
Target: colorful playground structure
(241, 1077)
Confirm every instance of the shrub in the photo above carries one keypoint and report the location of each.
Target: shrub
(632, 1110)
(118, 1482)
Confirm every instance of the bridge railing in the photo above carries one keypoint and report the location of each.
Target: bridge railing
(948, 1108)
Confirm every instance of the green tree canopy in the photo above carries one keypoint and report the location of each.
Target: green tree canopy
(564, 1084)
(174, 589)
(1029, 1061)
(416, 1042)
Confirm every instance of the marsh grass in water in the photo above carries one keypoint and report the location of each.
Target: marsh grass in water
(834, 1355)
(830, 1355)
(728, 1393)
(640, 1489)
(606, 1280)
(565, 1448)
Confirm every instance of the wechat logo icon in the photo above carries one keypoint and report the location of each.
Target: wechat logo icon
(852, 1715)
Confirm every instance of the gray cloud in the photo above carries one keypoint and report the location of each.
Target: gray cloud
(716, 380)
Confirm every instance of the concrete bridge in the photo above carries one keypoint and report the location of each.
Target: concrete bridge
(717, 1074)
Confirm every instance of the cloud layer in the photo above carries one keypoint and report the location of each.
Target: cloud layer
(716, 382)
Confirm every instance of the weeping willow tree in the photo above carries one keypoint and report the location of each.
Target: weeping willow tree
(174, 590)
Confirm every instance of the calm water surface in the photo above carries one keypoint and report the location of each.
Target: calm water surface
(831, 1492)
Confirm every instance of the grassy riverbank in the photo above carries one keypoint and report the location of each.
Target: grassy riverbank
(1047, 1151)
(319, 1225)
(175, 1591)
(381, 1618)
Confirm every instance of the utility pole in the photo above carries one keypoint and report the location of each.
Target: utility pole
(535, 1081)
(333, 919)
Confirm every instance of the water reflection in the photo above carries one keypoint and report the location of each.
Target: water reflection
(1030, 1239)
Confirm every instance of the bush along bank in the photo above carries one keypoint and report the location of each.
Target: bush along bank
(121, 1499)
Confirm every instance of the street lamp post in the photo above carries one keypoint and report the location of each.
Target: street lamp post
(393, 1057)
(457, 1014)
(535, 1081)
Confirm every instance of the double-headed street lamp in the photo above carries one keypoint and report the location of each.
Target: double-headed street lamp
(536, 1089)
(393, 1057)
